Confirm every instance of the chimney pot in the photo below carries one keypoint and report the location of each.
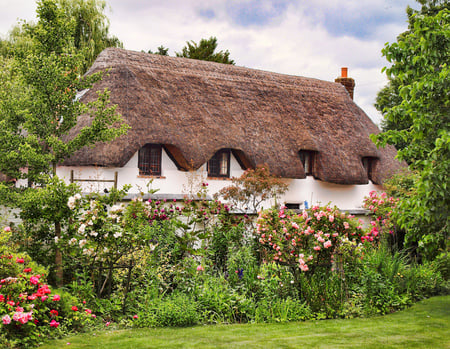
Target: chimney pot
(349, 83)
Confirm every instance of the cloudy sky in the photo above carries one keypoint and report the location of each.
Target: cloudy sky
(312, 38)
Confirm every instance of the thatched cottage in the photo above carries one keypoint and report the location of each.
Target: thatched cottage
(196, 118)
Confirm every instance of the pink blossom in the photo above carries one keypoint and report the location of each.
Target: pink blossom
(346, 225)
(304, 267)
(20, 260)
(54, 323)
(327, 244)
(56, 298)
(34, 280)
(317, 248)
(7, 229)
(331, 218)
(200, 268)
(135, 316)
(6, 320)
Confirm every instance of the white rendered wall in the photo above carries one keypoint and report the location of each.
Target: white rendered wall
(173, 181)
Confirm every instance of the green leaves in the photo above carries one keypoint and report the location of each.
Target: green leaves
(205, 51)
(419, 120)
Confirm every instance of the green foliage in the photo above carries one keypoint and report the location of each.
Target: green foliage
(162, 51)
(177, 310)
(39, 104)
(205, 51)
(420, 66)
(29, 309)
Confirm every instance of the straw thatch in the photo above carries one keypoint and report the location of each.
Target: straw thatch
(195, 108)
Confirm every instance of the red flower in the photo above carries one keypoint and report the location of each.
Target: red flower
(27, 270)
(54, 312)
(74, 308)
(20, 260)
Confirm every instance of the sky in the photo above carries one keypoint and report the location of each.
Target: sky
(311, 38)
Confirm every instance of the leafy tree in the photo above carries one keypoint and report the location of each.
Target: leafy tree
(205, 51)
(89, 32)
(389, 96)
(420, 69)
(163, 51)
(39, 105)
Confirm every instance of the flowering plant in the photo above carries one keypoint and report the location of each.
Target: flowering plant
(307, 239)
(380, 207)
(29, 310)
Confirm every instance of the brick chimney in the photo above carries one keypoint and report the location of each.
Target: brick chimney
(349, 83)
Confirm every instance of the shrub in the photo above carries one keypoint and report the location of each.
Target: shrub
(29, 309)
(305, 240)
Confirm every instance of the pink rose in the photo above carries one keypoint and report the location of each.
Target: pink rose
(6, 320)
(56, 298)
(54, 323)
(34, 280)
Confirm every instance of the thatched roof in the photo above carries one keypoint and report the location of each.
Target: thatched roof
(195, 108)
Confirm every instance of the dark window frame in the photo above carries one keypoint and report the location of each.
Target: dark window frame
(149, 160)
(308, 159)
(215, 167)
(368, 163)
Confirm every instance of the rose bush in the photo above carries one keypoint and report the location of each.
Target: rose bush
(305, 240)
(29, 310)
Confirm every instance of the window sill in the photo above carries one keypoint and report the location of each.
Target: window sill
(219, 178)
(149, 176)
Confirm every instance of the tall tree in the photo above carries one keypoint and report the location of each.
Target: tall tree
(39, 105)
(89, 32)
(389, 96)
(205, 51)
(419, 66)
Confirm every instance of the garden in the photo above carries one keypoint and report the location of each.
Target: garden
(162, 263)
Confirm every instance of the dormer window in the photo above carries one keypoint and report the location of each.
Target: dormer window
(369, 164)
(307, 157)
(149, 161)
(219, 164)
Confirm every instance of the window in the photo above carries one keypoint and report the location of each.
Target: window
(149, 161)
(307, 159)
(369, 164)
(219, 164)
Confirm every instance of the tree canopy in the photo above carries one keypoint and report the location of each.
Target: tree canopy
(204, 50)
(420, 74)
(85, 20)
(39, 103)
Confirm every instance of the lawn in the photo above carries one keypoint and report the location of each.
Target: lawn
(425, 325)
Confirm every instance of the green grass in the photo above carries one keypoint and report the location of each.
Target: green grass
(425, 325)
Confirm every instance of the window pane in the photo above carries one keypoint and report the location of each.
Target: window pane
(149, 161)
